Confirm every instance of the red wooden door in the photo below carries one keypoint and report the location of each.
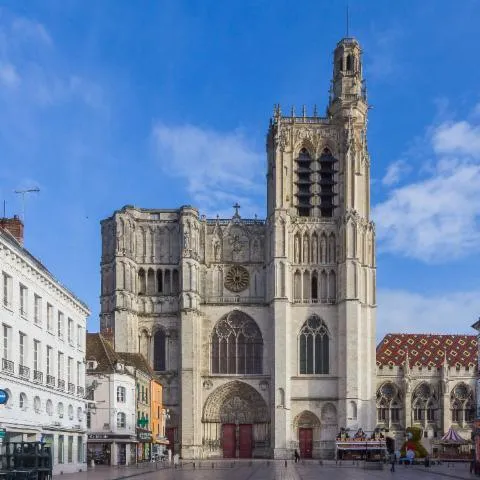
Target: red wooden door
(305, 436)
(228, 440)
(170, 433)
(245, 441)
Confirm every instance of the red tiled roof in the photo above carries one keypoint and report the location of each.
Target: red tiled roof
(427, 350)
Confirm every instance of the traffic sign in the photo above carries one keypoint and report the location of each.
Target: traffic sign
(3, 397)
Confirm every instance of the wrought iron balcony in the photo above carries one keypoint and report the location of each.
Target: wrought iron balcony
(50, 381)
(71, 388)
(24, 371)
(80, 391)
(61, 384)
(37, 376)
(8, 366)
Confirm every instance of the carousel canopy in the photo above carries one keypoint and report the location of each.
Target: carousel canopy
(452, 437)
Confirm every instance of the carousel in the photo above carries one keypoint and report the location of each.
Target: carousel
(452, 447)
(361, 446)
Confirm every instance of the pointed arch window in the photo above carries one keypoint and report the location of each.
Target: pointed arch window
(314, 347)
(327, 183)
(304, 183)
(159, 351)
(237, 346)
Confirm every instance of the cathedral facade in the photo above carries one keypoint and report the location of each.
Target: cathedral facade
(262, 332)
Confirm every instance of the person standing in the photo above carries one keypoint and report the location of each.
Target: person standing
(392, 462)
(297, 456)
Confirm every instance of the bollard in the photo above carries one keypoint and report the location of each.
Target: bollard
(285, 464)
(194, 465)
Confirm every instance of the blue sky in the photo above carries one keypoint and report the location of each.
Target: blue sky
(165, 103)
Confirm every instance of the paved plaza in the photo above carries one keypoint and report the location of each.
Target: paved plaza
(270, 470)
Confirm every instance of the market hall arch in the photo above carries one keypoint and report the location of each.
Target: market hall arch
(236, 422)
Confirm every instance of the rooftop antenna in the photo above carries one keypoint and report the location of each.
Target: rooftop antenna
(23, 192)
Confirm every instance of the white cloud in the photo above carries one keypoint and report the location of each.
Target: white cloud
(460, 138)
(401, 311)
(395, 171)
(31, 31)
(8, 75)
(219, 168)
(436, 218)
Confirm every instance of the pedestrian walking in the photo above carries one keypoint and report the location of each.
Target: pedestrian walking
(297, 456)
(392, 462)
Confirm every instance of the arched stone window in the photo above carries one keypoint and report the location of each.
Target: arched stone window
(237, 345)
(304, 184)
(461, 400)
(159, 281)
(142, 286)
(424, 403)
(150, 281)
(314, 286)
(159, 350)
(327, 183)
(37, 404)
(23, 401)
(314, 347)
(349, 63)
(388, 404)
(49, 407)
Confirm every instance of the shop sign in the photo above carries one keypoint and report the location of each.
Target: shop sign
(104, 436)
(3, 397)
(145, 436)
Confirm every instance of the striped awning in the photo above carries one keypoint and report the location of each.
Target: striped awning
(452, 436)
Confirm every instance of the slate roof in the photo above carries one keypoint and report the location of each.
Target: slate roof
(101, 350)
(427, 350)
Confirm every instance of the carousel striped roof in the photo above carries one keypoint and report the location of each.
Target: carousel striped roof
(427, 350)
(452, 436)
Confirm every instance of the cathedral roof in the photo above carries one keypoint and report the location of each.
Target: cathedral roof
(427, 350)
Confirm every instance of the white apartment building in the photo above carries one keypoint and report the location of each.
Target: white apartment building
(111, 419)
(42, 354)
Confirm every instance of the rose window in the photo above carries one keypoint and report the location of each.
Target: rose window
(237, 279)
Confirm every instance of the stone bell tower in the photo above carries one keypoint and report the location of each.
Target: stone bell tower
(321, 262)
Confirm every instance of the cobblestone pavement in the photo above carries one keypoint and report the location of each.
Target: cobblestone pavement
(270, 470)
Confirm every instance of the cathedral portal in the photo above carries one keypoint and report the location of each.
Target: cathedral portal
(236, 423)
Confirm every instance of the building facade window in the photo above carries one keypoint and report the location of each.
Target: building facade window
(70, 449)
(21, 348)
(37, 309)
(22, 401)
(36, 355)
(236, 345)
(49, 317)
(7, 289)
(121, 394)
(49, 360)
(60, 325)
(60, 449)
(314, 347)
(70, 331)
(159, 350)
(6, 341)
(121, 420)
(23, 300)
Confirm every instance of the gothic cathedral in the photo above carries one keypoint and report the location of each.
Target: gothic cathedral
(261, 331)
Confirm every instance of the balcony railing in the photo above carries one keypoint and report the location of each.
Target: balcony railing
(80, 391)
(71, 388)
(234, 300)
(50, 380)
(8, 366)
(37, 376)
(61, 384)
(24, 371)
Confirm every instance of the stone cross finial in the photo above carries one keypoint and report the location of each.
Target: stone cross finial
(236, 207)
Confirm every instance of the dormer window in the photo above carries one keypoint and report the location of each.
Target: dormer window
(92, 364)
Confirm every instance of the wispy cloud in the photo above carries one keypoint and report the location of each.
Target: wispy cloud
(435, 218)
(402, 311)
(218, 168)
(395, 171)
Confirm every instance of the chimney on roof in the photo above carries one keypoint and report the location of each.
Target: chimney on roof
(14, 226)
